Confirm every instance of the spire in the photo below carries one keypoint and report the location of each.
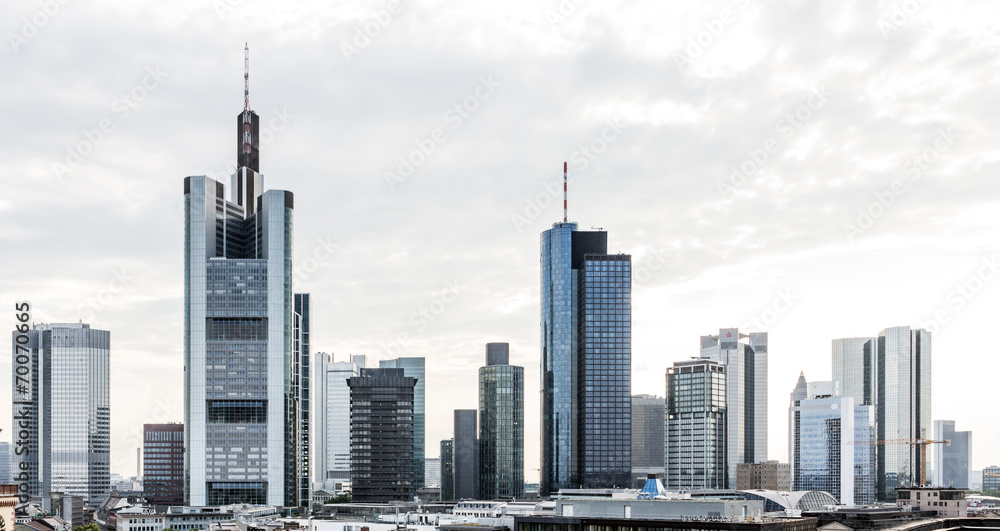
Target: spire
(565, 194)
(246, 77)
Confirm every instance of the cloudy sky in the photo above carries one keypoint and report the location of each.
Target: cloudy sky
(815, 170)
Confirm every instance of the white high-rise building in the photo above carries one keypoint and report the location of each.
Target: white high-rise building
(332, 418)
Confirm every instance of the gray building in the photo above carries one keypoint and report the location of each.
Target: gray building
(466, 456)
(382, 436)
(586, 366)
(952, 461)
(432, 471)
(696, 427)
(830, 443)
(302, 391)
(5, 462)
(414, 368)
(647, 437)
(501, 425)
(331, 417)
(448, 469)
(991, 479)
(66, 408)
(745, 359)
(245, 379)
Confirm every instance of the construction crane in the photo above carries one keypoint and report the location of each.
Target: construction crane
(922, 443)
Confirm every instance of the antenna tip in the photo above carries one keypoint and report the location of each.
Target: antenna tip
(564, 166)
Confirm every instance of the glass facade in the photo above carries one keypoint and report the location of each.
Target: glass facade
(332, 418)
(951, 461)
(163, 463)
(501, 426)
(586, 361)
(448, 470)
(854, 368)
(745, 359)
(696, 426)
(414, 368)
(466, 455)
(69, 420)
(647, 434)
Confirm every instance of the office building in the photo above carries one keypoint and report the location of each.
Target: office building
(991, 479)
(301, 389)
(414, 368)
(586, 365)
(830, 443)
(501, 425)
(771, 475)
(647, 437)
(448, 469)
(66, 408)
(952, 461)
(745, 359)
(5, 462)
(696, 426)
(163, 463)
(854, 364)
(331, 418)
(466, 455)
(382, 436)
(245, 382)
(432, 471)
(947, 503)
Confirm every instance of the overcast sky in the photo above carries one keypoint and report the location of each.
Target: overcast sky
(826, 109)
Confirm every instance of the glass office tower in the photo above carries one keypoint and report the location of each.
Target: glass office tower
(501, 425)
(245, 382)
(332, 418)
(695, 431)
(854, 368)
(382, 436)
(952, 462)
(448, 470)
(466, 455)
(586, 361)
(745, 359)
(69, 416)
(414, 368)
(163, 463)
(647, 437)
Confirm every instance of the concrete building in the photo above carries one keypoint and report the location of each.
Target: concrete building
(946, 502)
(586, 366)
(466, 456)
(770, 475)
(501, 425)
(66, 408)
(163, 463)
(647, 437)
(745, 358)
(952, 461)
(696, 426)
(415, 368)
(991, 478)
(331, 418)
(382, 436)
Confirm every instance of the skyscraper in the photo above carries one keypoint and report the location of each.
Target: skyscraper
(854, 363)
(301, 389)
(414, 368)
(696, 426)
(382, 436)
(466, 456)
(952, 462)
(69, 421)
(586, 364)
(830, 443)
(332, 418)
(448, 469)
(745, 359)
(501, 425)
(243, 379)
(647, 436)
(163, 463)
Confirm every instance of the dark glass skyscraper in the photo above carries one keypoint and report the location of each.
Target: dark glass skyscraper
(586, 365)
(951, 461)
(501, 425)
(414, 368)
(163, 463)
(382, 436)
(301, 389)
(448, 469)
(466, 456)
(244, 381)
(647, 436)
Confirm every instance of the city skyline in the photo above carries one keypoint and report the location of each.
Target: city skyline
(382, 263)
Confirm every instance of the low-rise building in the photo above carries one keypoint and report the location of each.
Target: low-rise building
(770, 475)
(946, 502)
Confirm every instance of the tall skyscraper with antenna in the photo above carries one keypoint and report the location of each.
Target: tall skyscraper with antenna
(244, 403)
(586, 365)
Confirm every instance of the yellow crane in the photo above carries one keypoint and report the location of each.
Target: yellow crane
(922, 443)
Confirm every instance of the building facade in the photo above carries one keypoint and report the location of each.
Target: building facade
(831, 444)
(586, 326)
(245, 382)
(466, 455)
(163, 463)
(448, 469)
(415, 368)
(5, 461)
(946, 502)
(382, 436)
(331, 418)
(745, 359)
(647, 437)
(952, 461)
(854, 364)
(501, 425)
(696, 426)
(991, 479)
(302, 391)
(432, 471)
(65, 410)
(771, 475)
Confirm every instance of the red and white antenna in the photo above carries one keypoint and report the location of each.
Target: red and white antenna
(565, 194)
(246, 77)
